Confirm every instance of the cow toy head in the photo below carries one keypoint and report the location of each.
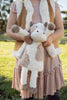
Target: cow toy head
(41, 31)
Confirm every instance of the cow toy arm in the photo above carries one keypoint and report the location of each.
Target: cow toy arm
(19, 30)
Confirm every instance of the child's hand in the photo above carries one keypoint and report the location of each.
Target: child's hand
(48, 42)
(28, 39)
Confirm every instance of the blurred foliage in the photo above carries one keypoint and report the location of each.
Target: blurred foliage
(65, 19)
(4, 11)
(64, 12)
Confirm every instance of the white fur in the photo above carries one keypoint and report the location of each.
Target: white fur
(58, 51)
(23, 32)
(34, 76)
(34, 64)
(24, 77)
(30, 10)
(52, 51)
(38, 37)
(17, 54)
(19, 6)
(44, 11)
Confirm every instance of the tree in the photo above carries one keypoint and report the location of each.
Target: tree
(4, 13)
(65, 19)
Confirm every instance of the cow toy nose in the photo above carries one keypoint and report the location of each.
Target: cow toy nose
(37, 31)
(29, 32)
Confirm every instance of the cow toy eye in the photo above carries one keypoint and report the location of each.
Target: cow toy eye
(36, 26)
(37, 31)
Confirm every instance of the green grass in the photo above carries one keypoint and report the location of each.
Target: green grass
(65, 31)
(63, 40)
(7, 63)
(63, 57)
(4, 37)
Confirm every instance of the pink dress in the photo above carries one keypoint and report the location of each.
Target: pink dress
(50, 80)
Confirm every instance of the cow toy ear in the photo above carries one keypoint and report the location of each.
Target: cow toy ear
(51, 26)
(46, 24)
(31, 23)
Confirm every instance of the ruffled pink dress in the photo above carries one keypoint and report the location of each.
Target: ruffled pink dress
(50, 80)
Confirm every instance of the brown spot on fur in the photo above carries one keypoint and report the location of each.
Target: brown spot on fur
(25, 60)
(15, 29)
(40, 53)
(51, 26)
(33, 90)
(23, 87)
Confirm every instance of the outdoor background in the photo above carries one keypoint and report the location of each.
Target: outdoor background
(7, 62)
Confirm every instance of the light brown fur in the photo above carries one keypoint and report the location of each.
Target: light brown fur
(39, 54)
(51, 14)
(25, 60)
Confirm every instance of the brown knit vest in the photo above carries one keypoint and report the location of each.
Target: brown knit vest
(21, 21)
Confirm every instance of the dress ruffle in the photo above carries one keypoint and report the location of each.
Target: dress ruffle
(53, 81)
(50, 80)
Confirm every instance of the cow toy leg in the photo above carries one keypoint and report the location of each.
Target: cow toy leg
(33, 82)
(24, 72)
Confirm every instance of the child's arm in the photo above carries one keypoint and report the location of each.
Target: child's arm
(59, 32)
(12, 21)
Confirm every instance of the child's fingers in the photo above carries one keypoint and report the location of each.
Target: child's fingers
(45, 44)
(28, 39)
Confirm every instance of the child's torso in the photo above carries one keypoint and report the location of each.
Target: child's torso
(36, 15)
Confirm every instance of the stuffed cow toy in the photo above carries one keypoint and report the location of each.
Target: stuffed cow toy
(33, 54)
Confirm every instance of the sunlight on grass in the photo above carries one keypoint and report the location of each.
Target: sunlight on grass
(63, 58)
(7, 62)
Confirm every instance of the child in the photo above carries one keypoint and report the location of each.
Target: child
(51, 79)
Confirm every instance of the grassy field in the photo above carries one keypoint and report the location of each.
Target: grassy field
(7, 63)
